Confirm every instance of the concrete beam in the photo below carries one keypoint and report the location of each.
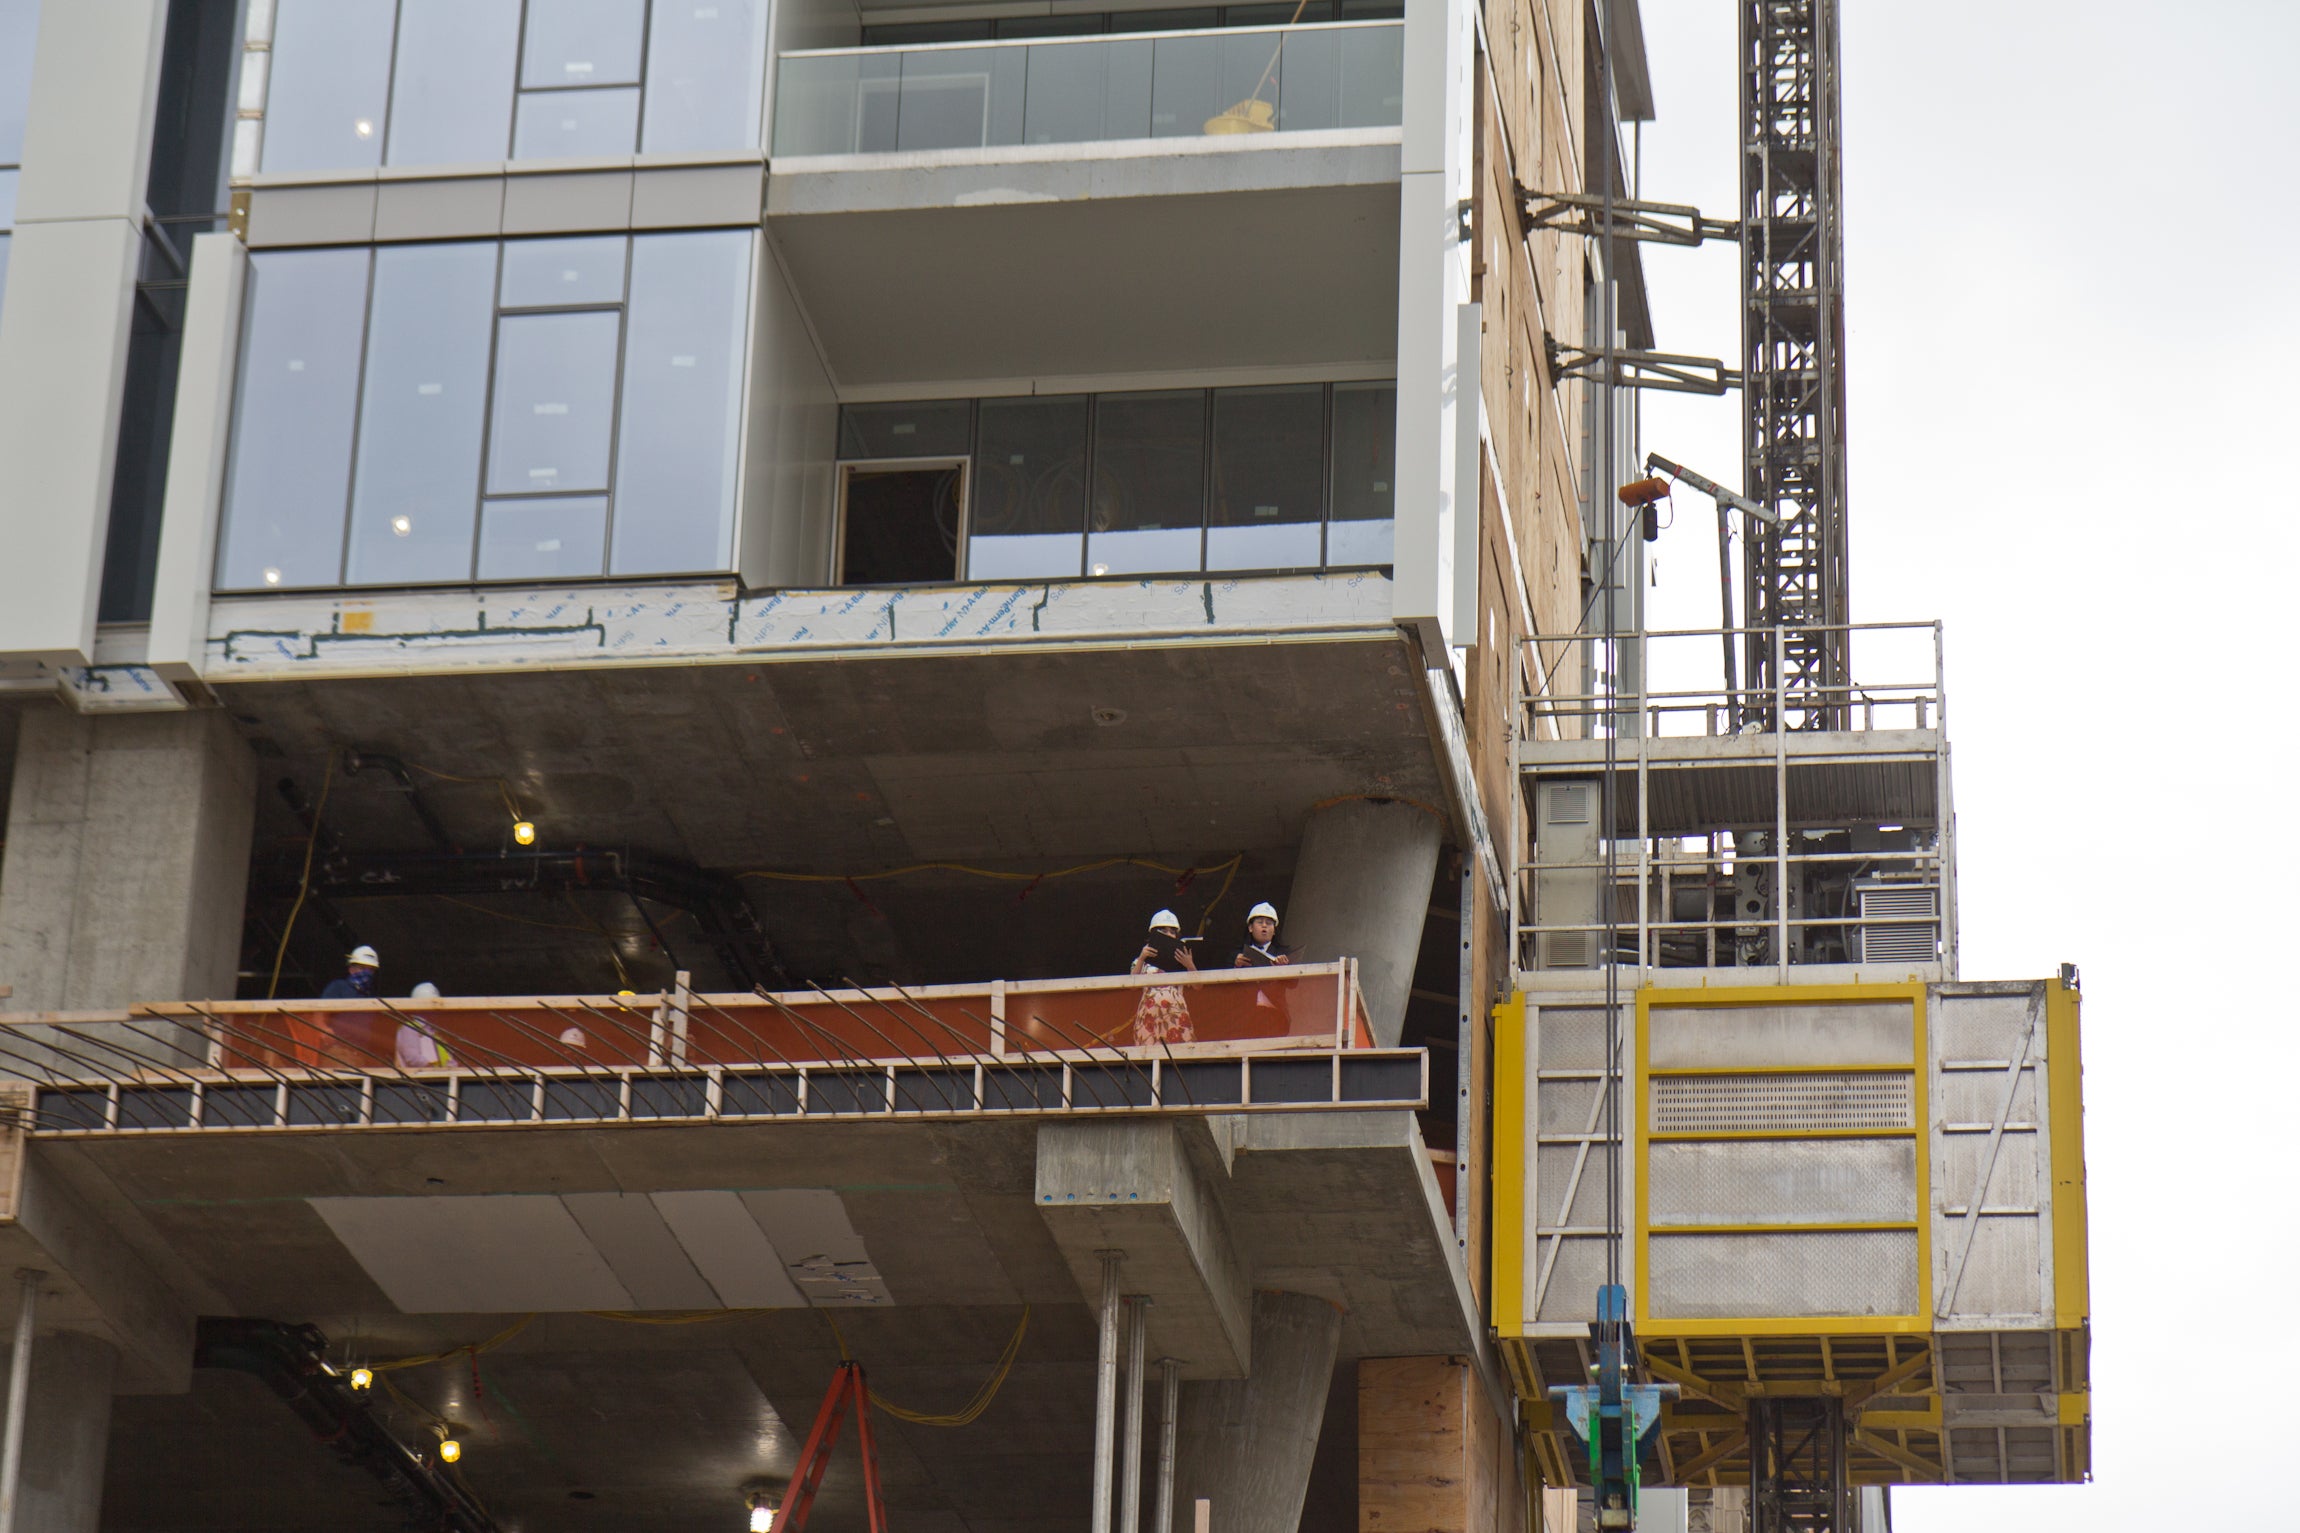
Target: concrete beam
(97, 1283)
(1133, 1186)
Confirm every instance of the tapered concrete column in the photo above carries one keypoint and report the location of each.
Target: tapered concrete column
(126, 867)
(67, 1425)
(1362, 890)
(1246, 1444)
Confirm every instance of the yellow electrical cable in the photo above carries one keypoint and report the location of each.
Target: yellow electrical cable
(966, 1414)
(470, 1349)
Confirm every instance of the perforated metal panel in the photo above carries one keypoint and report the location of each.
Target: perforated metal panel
(1752, 1104)
(1774, 1181)
(1722, 1276)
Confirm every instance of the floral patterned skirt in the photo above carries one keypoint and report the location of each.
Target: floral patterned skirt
(1162, 1016)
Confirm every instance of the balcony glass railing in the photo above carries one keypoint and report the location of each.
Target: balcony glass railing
(1090, 89)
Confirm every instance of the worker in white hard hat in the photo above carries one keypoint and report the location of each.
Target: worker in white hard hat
(1261, 950)
(417, 1046)
(1162, 1015)
(358, 982)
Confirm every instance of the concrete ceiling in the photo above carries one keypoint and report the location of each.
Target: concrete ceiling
(1071, 280)
(582, 1421)
(1186, 757)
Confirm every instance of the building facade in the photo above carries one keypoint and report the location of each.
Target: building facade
(786, 531)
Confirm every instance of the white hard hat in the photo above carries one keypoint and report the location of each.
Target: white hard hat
(1165, 918)
(365, 954)
(1263, 911)
(427, 991)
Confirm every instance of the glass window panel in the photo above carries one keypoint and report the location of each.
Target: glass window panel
(1051, 26)
(1149, 482)
(582, 42)
(292, 428)
(554, 402)
(1082, 93)
(1027, 517)
(961, 98)
(19, 28)
(421, 414)
(815, 104)
(556, 274)
(906, 34)
(877, 103)
(576, 124)
(8, 198)
(544, 538)
(1269, 478)
(330, 82)
(451, 94)
(1214, 85)
(682, 402)
(1187, 20)
(1312, 63)
(1371, 92)
(1365, 463)
(935, 428)
(3, 266)
(705, 67)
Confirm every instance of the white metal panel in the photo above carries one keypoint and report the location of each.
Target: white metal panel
(1820, 1034)
(729, 1249)
(629, 1232)
(206, 377)
(481, 1255)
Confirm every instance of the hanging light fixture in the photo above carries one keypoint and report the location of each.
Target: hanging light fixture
(450, 1441)
(362, 1378)
(523, 832)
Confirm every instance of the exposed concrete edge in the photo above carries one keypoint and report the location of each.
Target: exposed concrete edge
(47, 1226)
(925, 180)
(1277, 1133)
(344, 633)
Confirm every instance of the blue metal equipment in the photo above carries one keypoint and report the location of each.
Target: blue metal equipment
(1617, 1421)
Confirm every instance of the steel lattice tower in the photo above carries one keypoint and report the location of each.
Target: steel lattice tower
(1792, 341)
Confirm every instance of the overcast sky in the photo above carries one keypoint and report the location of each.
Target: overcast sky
(2073, 234)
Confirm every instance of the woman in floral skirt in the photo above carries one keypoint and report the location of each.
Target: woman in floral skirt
(1163, 1013)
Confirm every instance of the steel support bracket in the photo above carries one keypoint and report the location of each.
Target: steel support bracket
(1583, 213)
(1665, 372)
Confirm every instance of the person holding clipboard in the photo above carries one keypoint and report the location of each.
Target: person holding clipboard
(1262, 952)
(1163, 1013)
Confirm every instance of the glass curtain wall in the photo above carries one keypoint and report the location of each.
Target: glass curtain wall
(532, 410)
(19, 26)
(1294, 476)
(355, 84)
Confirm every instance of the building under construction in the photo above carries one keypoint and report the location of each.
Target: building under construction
(651, 655)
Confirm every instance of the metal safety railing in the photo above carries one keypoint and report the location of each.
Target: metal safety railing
(1233, 1038)
(1681, 682)
(1182, 84)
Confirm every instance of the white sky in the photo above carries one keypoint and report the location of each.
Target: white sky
(2073, 339)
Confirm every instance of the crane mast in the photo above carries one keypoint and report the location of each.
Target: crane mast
(1793, 368)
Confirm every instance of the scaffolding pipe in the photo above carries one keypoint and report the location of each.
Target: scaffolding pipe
(19, 1391)
(1169, 1407)
(1105, 1392)
(1130, 1464)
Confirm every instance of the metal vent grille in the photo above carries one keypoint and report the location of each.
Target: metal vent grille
(1897, 923)
(1748, 1104)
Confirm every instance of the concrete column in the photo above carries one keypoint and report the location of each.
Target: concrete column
(1362, 890)
(125, 874)
(1246, 1444)
(67, 1426)
(64, 334)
